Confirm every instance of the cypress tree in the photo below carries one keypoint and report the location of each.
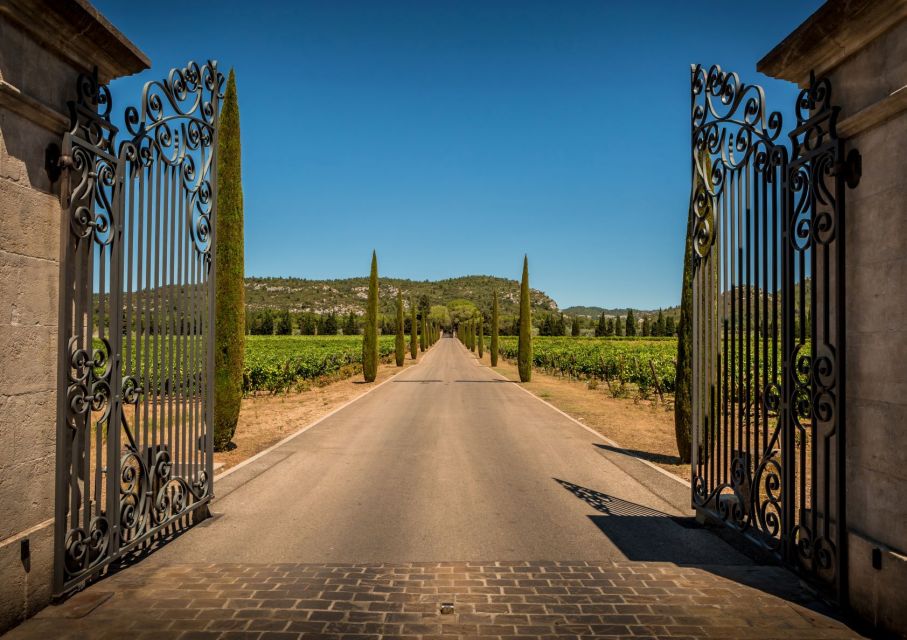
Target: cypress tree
(494, 329)
(645, 325)
(229, 250)
(370, 334)
(683, 378)
(481, 322)
(524, 358)
(670, 329)
(631, 323)
(423, 337)
(399, 342)
(602, 328)
(660, 327)
(574, 327)
(413, 330)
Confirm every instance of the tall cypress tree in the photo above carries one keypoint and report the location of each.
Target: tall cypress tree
(370, 335)
(423, 336)
(399, 342)
(574, 327)
(229, 298)
(683, 377)
(481, 323)
(631, 323)
(524, 357)
(494, 328)
(602, 328)
(413, 331)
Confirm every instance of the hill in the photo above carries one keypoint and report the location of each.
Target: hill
(349, 294)
(595, 312)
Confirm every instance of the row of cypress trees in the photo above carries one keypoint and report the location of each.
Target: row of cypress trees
(472, 331)
(424, 332)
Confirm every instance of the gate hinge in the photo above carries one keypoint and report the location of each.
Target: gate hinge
(55, 162)
(851, 168)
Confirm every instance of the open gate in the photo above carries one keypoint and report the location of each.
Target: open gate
(767, 225)
(135, 384)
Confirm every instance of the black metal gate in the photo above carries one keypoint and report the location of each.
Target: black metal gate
(767, 221)
(134, 450)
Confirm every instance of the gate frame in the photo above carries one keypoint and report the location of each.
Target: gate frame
(90, 117)
(812, 223)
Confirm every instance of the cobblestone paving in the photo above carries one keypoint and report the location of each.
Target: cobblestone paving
(493, 600)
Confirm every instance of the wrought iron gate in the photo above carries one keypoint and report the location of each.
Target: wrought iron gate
(134, 449)
(767, 233)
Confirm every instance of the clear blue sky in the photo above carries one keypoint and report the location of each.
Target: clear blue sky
(455, 136)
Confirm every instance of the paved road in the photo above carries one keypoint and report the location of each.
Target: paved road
(447, 461)
(444, 485)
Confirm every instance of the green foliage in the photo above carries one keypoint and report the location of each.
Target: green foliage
(630, 324)
(601, 329)
(277, 363)
(683, 403)
(262, 323)
(646, 330)
(574, 327)
(660, 323)
(524, 359)
(308, 324)
(349, 325)
(495, 312)
(230, 306)
(413, 338)
(283, 323)
(399, 341)
(328, 325)
(619, 361)
(670, 329)
(481, 328)
(370, 334)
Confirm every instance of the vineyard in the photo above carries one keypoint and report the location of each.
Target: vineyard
(641, 362)
(277, 363)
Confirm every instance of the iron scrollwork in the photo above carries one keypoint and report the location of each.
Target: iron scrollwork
(119, 483)
(766, 220)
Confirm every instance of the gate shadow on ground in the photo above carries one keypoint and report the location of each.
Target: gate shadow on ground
(644, 534)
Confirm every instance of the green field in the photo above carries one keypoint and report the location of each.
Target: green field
(276, 363)
(623, 360)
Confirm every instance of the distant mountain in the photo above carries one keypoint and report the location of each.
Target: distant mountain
(595, 312)
(349, 294)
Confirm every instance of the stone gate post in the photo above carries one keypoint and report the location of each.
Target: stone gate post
(44, 45)
(861, 45)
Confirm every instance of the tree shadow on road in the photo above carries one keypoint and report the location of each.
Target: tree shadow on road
(658, 458)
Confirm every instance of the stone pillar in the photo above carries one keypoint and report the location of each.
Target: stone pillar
(861, 45)
(44, 45)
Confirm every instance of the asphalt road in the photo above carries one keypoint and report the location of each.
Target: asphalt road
(446, 461)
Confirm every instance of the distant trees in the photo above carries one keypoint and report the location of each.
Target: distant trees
(328, 325)
(283, 324)
(631, 324)
(308, 323)
(574, 327)
(553, 324)
(229, 298)
(370, 334)
(262, 323)
(400, 341)
(659, 329)
(524, 355)
(349, 325)
(494, 329)
(601, 329)
(670, 329)
(646, 329)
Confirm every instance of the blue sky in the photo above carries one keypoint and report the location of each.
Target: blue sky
(455, 136)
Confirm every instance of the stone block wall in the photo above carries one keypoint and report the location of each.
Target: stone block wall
(861, 45)
(43, 48)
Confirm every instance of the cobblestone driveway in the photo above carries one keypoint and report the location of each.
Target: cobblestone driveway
(493, 600)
